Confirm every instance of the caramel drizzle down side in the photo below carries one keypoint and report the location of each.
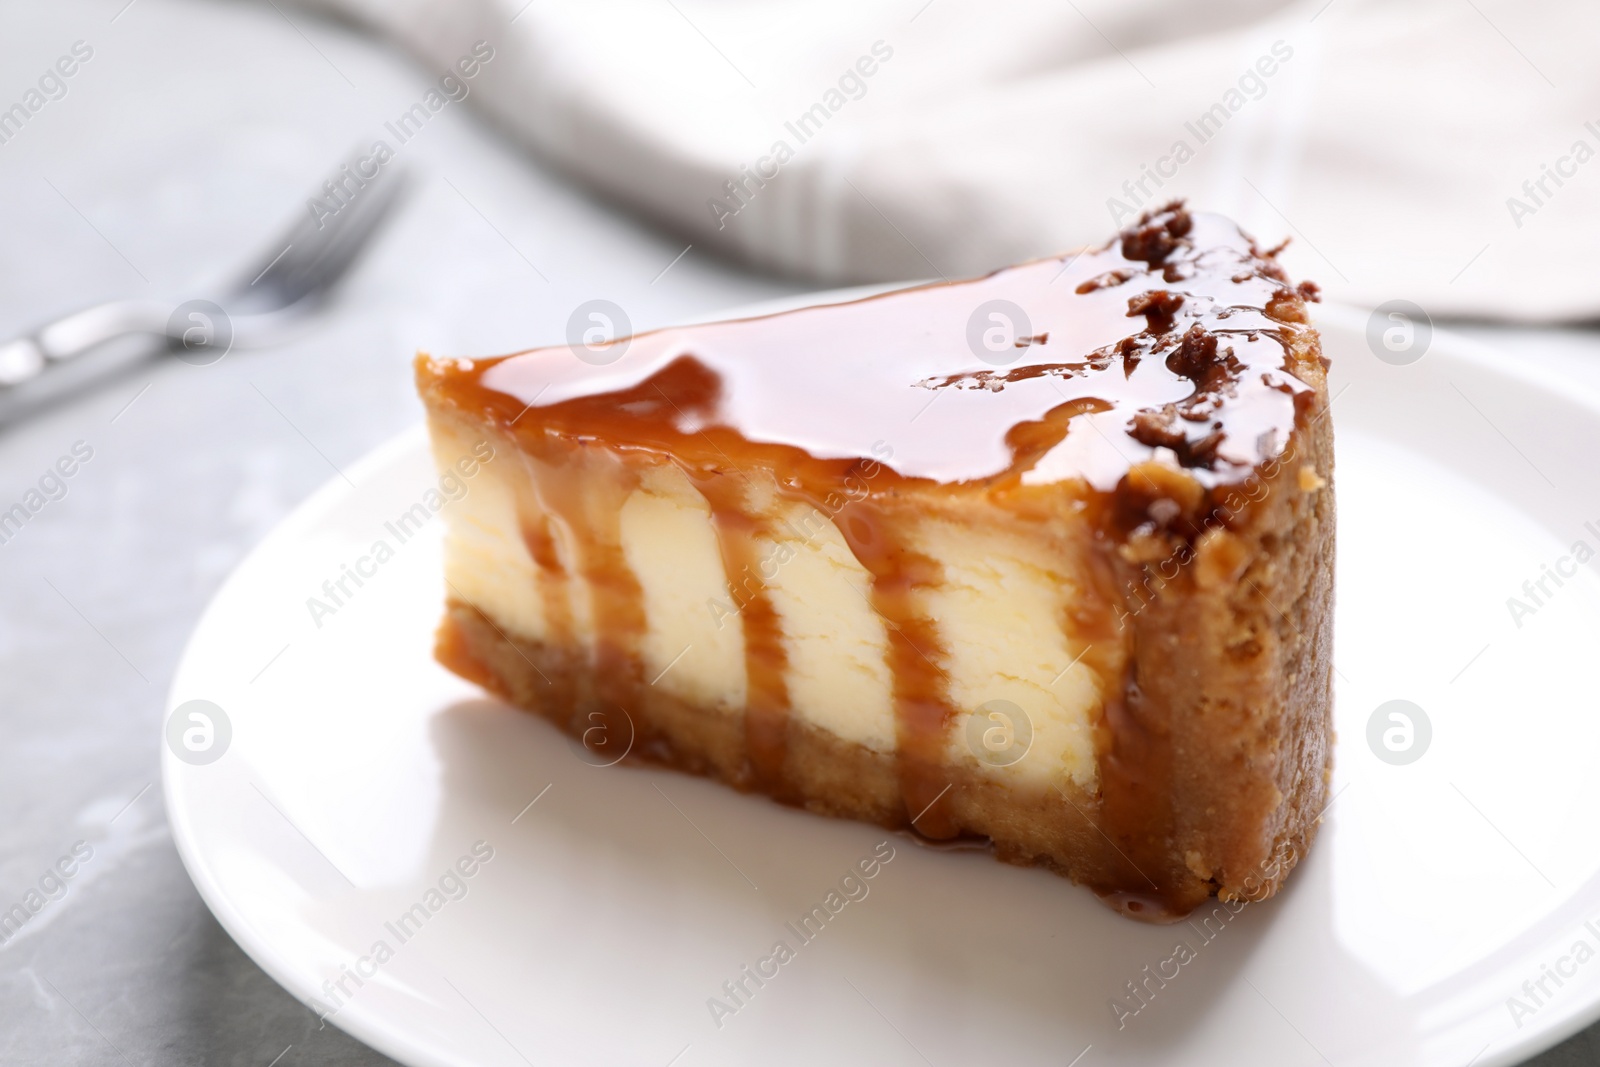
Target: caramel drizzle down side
(551, 575)
(740, 530)
(584, 491)
(922, 707)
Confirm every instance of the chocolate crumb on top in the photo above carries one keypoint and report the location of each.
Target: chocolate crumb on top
(1156, 234)
(1190, 327)
(1158, 306)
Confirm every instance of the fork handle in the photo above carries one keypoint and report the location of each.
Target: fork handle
(31, 356)
(74, 352)
(92, 327)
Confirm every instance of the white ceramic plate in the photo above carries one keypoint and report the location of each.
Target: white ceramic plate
(358, 773)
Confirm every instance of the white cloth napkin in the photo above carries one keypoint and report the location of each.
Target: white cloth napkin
(1445, 152)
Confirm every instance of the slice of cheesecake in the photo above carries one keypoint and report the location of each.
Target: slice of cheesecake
(1045, 557)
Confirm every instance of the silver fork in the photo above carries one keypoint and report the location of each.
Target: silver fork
(286, 283)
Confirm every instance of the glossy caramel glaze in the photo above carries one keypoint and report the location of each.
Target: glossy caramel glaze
(1182, 352)
(1139, 382)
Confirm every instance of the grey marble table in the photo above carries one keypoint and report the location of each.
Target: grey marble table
(188, 136)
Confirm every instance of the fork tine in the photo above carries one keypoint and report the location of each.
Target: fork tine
(314, 253)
